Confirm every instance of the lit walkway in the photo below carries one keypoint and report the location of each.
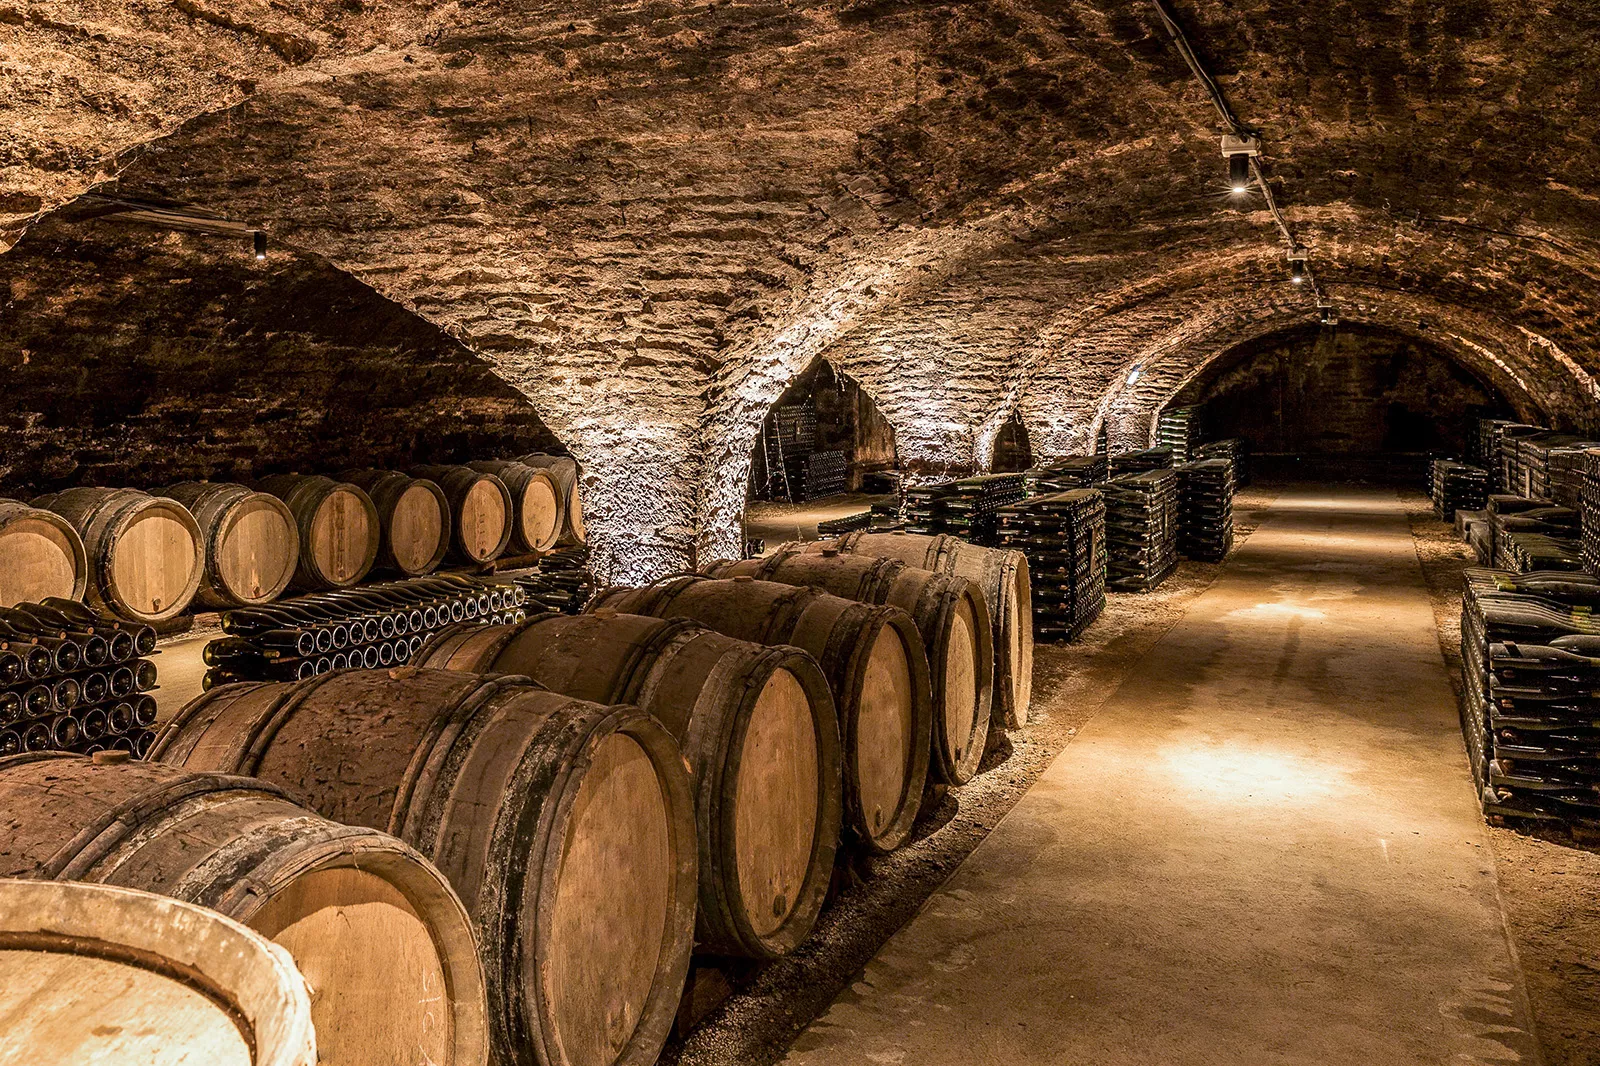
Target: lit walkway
(1263, 850)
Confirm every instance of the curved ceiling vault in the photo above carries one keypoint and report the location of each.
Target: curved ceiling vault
(650, 217)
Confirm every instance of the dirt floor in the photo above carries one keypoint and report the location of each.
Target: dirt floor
(1549, 879)
(876, 896)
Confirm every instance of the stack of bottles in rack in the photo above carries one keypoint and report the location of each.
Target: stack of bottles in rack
(561, 582)
(962, 508)
(1064, 474)
(1141, 529)
(838, 527)
(1456, 487)
(1140, 461)
(1232, 449)
(1589, 511)
(1503, 464)
(74, 680)
(1179, 429)
(788, 437)
(1530, 650)
(924, 505)
(1528, 534)
(1547, 466)
(824, 474)
(1064, 537)
(1205, 509)
(362, 628)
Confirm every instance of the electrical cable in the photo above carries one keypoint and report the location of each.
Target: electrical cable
(1181, 41)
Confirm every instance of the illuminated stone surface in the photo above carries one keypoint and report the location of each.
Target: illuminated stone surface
(649, 217)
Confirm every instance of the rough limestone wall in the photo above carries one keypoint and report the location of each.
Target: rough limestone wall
(84, 80)
(138, 358)
(650, 217)
(643, 214)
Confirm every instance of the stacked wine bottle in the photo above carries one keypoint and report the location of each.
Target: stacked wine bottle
(73, 680)
(366, 628)
(562, 582)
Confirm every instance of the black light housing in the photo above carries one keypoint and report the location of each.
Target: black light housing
(1239, 174)
(259, 240)
(1297, 266)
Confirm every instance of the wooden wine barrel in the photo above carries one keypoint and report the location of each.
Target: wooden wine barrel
(339, 529)
(100, 976)
(875, 664)
(41, 555)
(414, 517)
(145, 553)
(482, 512)
(954, 623)
(567, 826)
(758, 728)
(565, 470)
(251, 543)
(376, 930)
(539, 503)
(1003, 577)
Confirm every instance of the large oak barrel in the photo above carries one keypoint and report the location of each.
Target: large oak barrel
(339, 529)
(41, 555)
(875, 664)
(539, 503)
(757, 725)
(950, 614)
(482, 512)
(567, 475)
(414, 517)
(567, 826)
(145, 554)
(103, 976)
(1002, 574)
(251, 544)
(378, 933)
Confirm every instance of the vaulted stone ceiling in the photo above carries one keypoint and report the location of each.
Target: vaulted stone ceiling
(650, 217)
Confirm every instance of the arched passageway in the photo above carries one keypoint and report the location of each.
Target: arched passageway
(1335, 403)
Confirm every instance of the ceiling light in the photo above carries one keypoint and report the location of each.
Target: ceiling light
(1238, 151)
(1133, 375)
(1297, 266)
(1238, 174)
(259, 239)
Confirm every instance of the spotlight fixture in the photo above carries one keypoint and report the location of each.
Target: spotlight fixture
(1297, 265)
(259, 240)
(1133, 375)
(1238, 150)
(1327, 312)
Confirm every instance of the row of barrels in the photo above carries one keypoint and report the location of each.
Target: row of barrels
(147, 556)
(519, 851)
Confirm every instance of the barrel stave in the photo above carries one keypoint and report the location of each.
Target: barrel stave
(707, 689)
(497, 781)
(41, 554)
(245, 849)
(876, 666)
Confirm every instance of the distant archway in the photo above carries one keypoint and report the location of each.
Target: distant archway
(824, 437)
(1334, 402)
(1013, 451)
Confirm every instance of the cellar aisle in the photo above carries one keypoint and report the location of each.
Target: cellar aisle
(1264, 849)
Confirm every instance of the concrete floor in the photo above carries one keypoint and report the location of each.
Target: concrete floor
(1264, 849)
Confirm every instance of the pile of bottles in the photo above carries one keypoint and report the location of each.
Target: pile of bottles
(74, 680)
(367, 628)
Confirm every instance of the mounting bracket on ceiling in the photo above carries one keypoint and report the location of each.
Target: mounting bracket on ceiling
(1236, 144)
